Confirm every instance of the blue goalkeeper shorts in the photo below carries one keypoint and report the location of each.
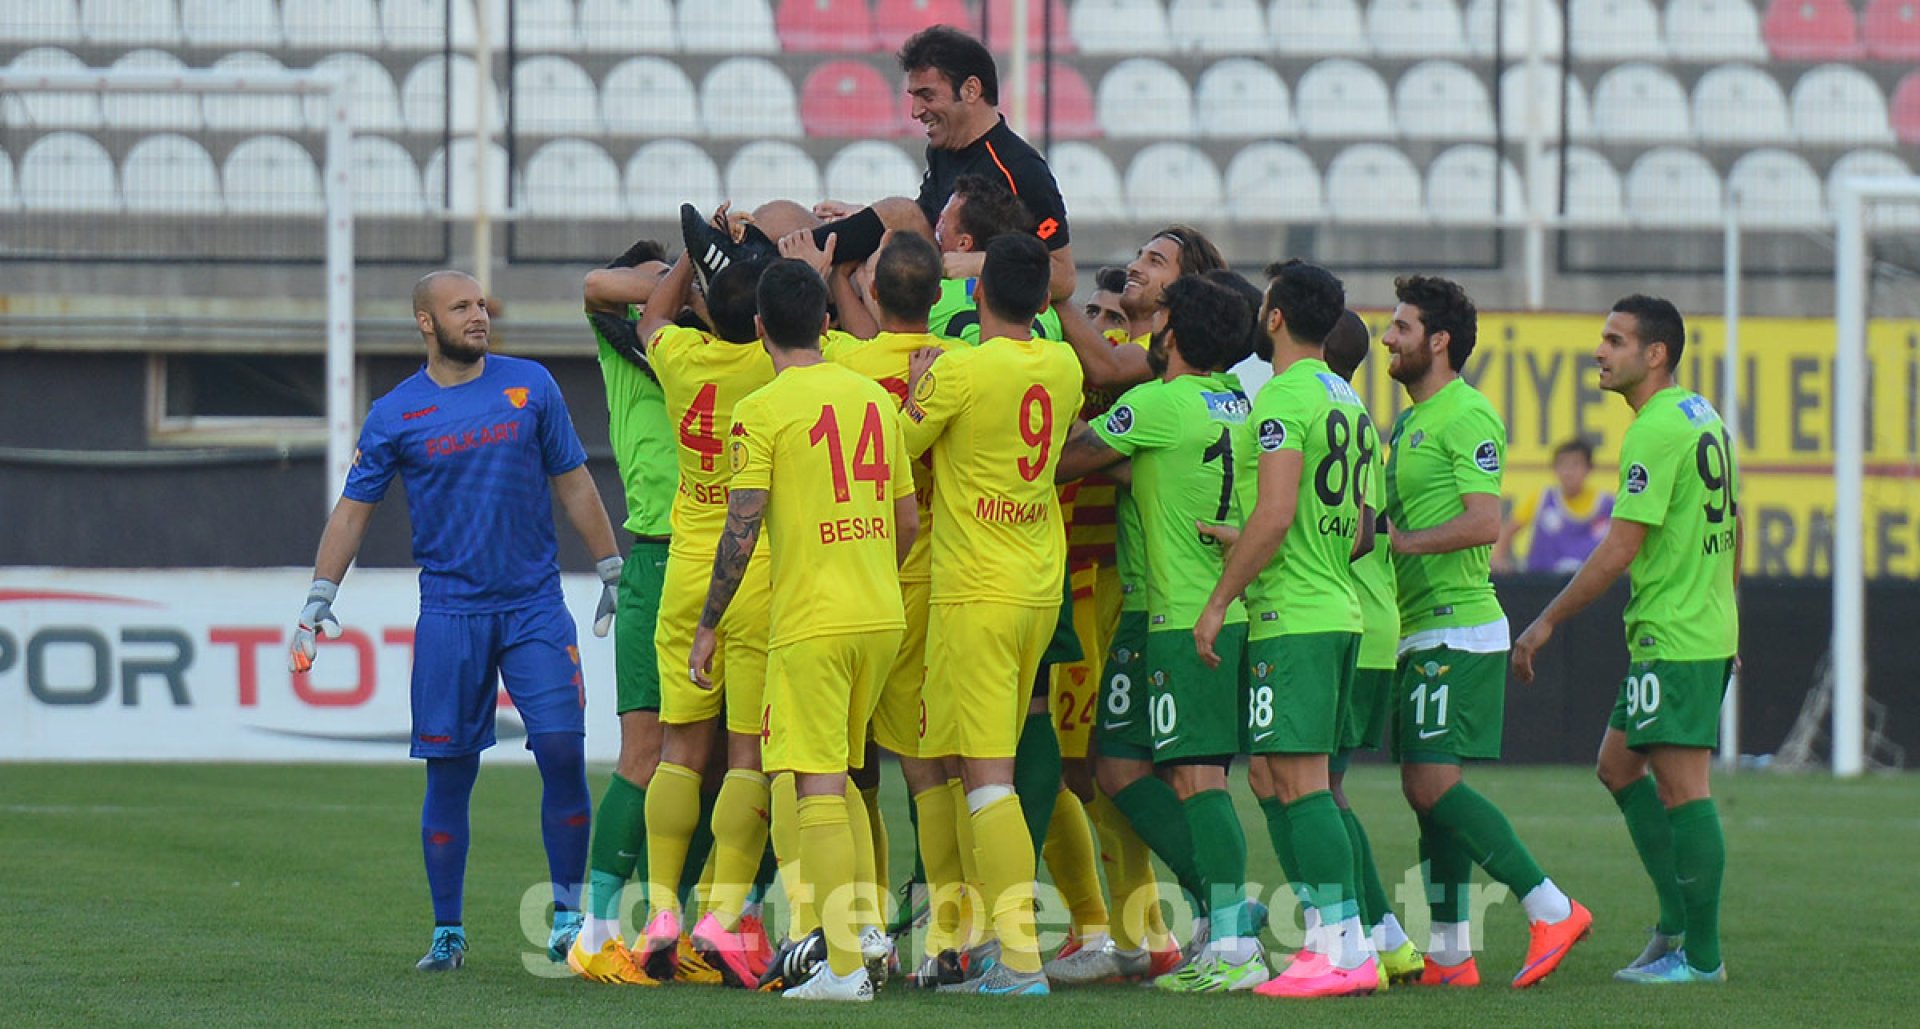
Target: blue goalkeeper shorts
(458, 658)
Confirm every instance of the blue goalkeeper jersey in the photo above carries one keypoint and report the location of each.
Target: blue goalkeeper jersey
(475, 459)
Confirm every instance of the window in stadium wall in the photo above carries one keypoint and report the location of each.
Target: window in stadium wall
(237, 398)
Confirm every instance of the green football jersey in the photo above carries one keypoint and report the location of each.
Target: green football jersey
(1129, 549)
(1308, 587)
(1373, 578)
(1190, 445)
(956, 316)
(643, 442)
(1445, 447)
(1679, 479)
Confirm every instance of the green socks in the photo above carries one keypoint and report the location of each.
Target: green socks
(1374, 905)
(1325, 856)
(1154, 811)
(619, 844)
(1220, 852)
(1699, 861)
(1449, 872)
(1652, 834)
(1485, 836)
(1280, 831)
(1036, 775)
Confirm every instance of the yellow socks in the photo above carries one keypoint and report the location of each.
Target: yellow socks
(1130, 879)
(882, 877)
(739, 840)
(866, 897)
(1070, 858)
(826, 836)
(673, 811)
(1005, 858)
(940, 855)
(975, 925)
(804, 917)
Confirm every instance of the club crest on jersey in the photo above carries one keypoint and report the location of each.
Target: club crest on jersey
(923, 390)
(1158, 678)
(1273, 435)
(1120, 420)
(1123, 655)
(1260, 669)
(1434, 669)
(1419, 437)
(1636, 478)
(1486, 457)
(516, 395)
(737, 456)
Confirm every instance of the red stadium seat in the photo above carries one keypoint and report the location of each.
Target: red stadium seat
(849, 100)
(1905, 115)
(895, 20)
(824, 26)
(1892, 29)
(1000, 26)
(1811, 30)
(1073, 116)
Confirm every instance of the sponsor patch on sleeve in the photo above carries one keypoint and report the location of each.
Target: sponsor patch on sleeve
(1273, 435)
(1486, 457)
(1636, 478)
(1120, 420)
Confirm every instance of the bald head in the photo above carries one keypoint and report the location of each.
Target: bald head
(427, 291)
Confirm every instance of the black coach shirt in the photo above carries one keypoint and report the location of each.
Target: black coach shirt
(1002, 154)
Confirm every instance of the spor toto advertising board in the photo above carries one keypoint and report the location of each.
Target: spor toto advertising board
(101, 665)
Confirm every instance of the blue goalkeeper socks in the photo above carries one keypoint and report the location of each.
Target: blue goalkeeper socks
(444, 832)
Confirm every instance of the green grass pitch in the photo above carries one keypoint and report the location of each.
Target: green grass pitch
(210, 894)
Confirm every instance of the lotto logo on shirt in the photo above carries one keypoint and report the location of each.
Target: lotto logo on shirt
(457, 442)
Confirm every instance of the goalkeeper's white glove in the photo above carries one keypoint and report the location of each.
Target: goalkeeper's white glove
(609, 569)
(316, 619)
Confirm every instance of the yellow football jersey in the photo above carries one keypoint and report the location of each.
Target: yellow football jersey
(704, 377)
(995, 417)
(884, 360)
(825, 443)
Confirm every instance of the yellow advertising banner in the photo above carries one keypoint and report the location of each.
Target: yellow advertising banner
(1538, 370)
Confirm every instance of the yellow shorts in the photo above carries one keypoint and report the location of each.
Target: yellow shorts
(740, 663)
(1074, 693)
(898, 718)
(981, 662)
(820, 694)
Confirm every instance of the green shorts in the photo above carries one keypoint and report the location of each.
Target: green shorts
(1297, 692)
(1064, 647)
(1672, 703)
(636, 667)
(1122, 729)
(1367, 706)
(1196, 710)
(1449, 706)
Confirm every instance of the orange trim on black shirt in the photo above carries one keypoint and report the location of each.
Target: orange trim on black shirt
(991, 152)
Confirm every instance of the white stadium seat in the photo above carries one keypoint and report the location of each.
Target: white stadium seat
(225, 24)
(1240, 98)
(422, 25)
(272, 175)
(424, 97)
(9, 195)
(1273, 182)
(727, 27)
(1173, 182)
(462, 198)
(870, 170)
(1317, 28)
(65, 171)
(1373, 182)
(572, 178)
(1141, 98)
(1772, 188)
(169, 174)
(748, 97)
(40, 21)
(1593, 188)
(543, 25)
(251, 111)
(1617, 30)
(1737, 103)
(1839, 104)
(1883, 215)
(50, 110)
(1713, 30)
(770, 170)
(552, 96)
(1416, 28)
(1640, 103)
(1218, 26)
(628, 26)
(1514, 95)
(1460, 186)
(1342, 99)
(373, 102)
(649, 96)
(1671, 187)
(1123, 27)
(665, 173)
(331, 25)
(1088, 182)
(386, 182)
(133, 22)
(150, 110)
(1442, 100)
(1513, 28)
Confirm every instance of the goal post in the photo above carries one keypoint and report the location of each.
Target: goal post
(336, 195)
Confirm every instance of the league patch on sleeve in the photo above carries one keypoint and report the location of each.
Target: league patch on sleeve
(1486, 457)
(1636, 478)
(1120, 420)
(737, 456)
(1273, 435)
(923, 390)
